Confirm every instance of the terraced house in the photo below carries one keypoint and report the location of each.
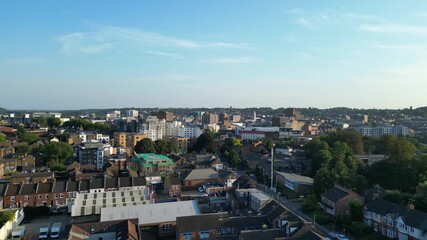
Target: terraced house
(395, 221)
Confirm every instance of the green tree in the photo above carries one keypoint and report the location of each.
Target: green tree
(57, 152)
(42, 121)
(22, 148)
(162, 146)
(2, 137)
(53, 122)
(323, 180)
(319, 158)
(205, 142)
(25, 136)
(233, 158)
(310, 204)
(146, 145)
(356, 210)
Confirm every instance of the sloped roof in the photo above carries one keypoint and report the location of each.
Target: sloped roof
(413, 218)
(59, 186)
(202, 173)
(27, 188)
(141, 158)
(334, 194)
(44, 188)
(12, 189)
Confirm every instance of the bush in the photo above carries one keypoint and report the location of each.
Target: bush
(36, 211)
(6, 216)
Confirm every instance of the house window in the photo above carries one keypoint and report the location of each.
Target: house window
(412, 230)
(40, 196)
(12, 198)
(56, 195)
(61, 195)
(166, 228)
(187, 235)
(26, 198)
(204, 234)
(47, 196)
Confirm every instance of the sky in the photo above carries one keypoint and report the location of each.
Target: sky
(64, 55)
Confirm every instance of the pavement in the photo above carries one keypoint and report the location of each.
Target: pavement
(32, 228)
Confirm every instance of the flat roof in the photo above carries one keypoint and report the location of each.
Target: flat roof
(296, 178)
(151, 213)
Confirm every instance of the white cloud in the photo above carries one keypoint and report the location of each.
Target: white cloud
(105, 38)
(420, 14)
(164, 54)
(394, 28)
(174, 77)
(231, 60)
(23, 61)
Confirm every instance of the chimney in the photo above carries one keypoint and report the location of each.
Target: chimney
(411, 205)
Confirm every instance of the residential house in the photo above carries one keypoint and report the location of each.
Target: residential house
(200, 176)
(122, 229)
(217, 164)
(335, 200)
(172, 186)
(395, 221)
(43, 194)
(227, 178)
(6, 148)
(35, 177)
(9, 199)
(297, 183)
(25, 196)
(58, 194)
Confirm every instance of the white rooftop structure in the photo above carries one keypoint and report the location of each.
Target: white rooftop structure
(202, 173)
(153, 213)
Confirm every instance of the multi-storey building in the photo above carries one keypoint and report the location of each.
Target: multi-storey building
(94, 154)
(383, 130)
(127, 140)
(150, 162)
(210, 118)
(132, 113)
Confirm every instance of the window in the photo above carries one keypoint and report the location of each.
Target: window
(204, 234)
(187, 235)
(166, 228)
(61, 195)
(12, 198)
(47, 196)
(56, 195)
(27, 197)
(40, 196)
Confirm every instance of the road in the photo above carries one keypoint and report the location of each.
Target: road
(295, 209)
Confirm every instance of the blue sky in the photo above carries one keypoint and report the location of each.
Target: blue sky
(108, 54)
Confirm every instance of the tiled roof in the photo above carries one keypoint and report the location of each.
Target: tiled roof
(28, 188)
(72, 186)
(96, 183)
(59, 186)
(44, 188)
(334, 194)
(413, 218)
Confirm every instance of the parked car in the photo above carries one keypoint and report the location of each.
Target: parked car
(341, 237)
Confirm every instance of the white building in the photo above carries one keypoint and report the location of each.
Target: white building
(92, 203)
(383, 130)
(132, 113)
(151, 214)
(251, 135)
(190, 131)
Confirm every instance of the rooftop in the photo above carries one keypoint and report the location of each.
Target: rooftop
(296, 178)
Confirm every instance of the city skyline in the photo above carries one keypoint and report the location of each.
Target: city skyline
(96, 55)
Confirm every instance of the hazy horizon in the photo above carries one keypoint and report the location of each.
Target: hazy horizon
(74, 55)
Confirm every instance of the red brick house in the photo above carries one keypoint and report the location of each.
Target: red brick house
(335, 201)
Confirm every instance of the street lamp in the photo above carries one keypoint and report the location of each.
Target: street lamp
(314, 221)
(272, 168)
